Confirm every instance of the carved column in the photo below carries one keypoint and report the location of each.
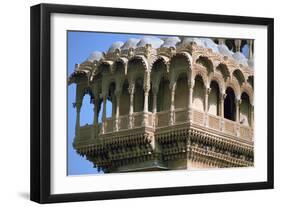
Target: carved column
(207, 92)
(190, 100)
(237, 104)
(131, 109)
(77, 125)
(252, 116)
(221, 107)
(237, 45)
(96, 111)
(221, 110)
(113, 112)
(250, 44)
(172, 106)
(145, 106)
(96, 114)
(118, 95)
(221, 41)
(104, 114)
(154, 107)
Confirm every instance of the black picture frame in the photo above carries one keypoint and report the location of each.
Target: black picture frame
(41, 96)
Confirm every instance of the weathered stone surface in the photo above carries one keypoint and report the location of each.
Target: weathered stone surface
(177, 103)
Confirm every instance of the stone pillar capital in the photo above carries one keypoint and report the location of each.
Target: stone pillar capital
(208, 91)
(222, 96)
(146, 88)
(190, 84)
(221, 41)
(118, 93)
(78, 105)
(131, 88)
(238, 101)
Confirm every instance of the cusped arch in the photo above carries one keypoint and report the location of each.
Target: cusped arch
(185, 56)
(105, 66)
(138, 60)
(120, 65)
(234, 86)
(218, 81)
(162, 61)
(106, 82)
(202, 75)
(238, 74)
(246, 88)
(250, 80)
(206, 62)
(180, 63)
(88, 91)
(224, 70)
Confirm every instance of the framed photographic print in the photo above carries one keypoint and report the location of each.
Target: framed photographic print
(132, 103)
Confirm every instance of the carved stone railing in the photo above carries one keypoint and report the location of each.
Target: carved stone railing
(246, 132)
(138, 118)
(150, 119)
(85, 131)
(162, 118)
(180, 115)
(109, 125)
(123, 122)
(214, 122)
(198, 117)
(229, 127)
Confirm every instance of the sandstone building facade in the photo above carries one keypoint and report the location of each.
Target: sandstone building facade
(177, 103)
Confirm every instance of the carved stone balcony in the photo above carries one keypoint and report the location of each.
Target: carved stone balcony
(161, 120)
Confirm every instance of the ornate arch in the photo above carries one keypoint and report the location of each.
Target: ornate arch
(219, 81)
(250, 80)
(238, 74)
(186, 56)
(235, 87)
(246, 88)
(174, 74)
(224, 70)
(123, 61)
(106, 82)
(107, 64)
(206, 62)
(202, 75)
(138, 59)
(163, 59)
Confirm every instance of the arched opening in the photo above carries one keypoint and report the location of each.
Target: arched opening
(213, 102)
(150, 99)
(86, 118)
(251, 80)
(163, 95)
(138, 96)
(111, 101)
(206, 62)
(222, 68)
(198, 94)
(239, 76)
(245, 110)
(229, 105)
(181, 92)
(100, 111)
(230, 44)
(124, 99)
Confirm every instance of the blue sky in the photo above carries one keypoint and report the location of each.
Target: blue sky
(80, 46)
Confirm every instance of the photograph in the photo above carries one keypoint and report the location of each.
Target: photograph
(131, 103)
(146, 102)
